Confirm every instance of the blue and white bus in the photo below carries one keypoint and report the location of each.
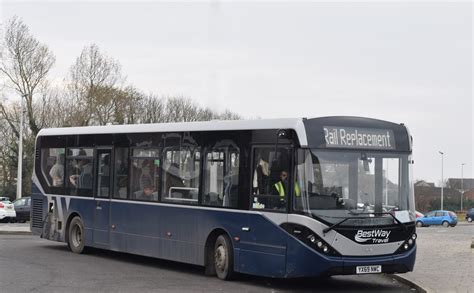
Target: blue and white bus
(279, 198)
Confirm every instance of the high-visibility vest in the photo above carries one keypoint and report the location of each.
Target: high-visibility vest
(281, 190)
(279, 187)
(297, 190)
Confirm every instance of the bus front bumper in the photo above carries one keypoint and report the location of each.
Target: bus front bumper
(313, 264)
(391, 264)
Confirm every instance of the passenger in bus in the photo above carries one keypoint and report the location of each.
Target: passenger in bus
(148, 193)
(145, 175)
(82, 180)
(57, 171)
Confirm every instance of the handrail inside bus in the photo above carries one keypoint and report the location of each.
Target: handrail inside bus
(178, 189)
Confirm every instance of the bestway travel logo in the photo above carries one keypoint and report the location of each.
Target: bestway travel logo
(373, 236)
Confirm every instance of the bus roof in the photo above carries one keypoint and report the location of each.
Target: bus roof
(364, 132)
(213, 125)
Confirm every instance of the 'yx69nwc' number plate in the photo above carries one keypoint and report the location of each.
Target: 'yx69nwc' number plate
(368, 269)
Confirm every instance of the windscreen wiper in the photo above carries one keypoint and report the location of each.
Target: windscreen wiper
(381, 213)
(335, 225)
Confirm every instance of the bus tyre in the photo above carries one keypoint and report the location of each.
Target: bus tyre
(445, 224)
(223, 258)
(76, 235)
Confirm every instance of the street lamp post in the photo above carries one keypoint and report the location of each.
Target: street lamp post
(442, 178)
(20, 153)
(462, 185)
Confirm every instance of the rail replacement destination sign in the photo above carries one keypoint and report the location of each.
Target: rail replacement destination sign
(359, 138)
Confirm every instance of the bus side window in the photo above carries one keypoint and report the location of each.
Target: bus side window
(181, 174)
(79, 167)
(221, 177)
(121, 173)
(270, 178)
(103, 173)
(52, 167)
(145, 174)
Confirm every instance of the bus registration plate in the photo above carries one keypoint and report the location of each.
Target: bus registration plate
(369, 269)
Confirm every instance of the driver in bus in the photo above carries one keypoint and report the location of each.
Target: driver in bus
(281, 187)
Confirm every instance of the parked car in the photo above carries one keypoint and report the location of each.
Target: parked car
(419, 215)
(445, 218)
(7, 210)
(470, 215)
(22, 209)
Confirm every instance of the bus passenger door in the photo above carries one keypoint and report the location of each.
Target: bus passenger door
(263, 243)
(102, 198)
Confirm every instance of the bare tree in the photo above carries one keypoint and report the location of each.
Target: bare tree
(9, 121)
(52, 107)
(206, 114)
(152, 110)
(25, 64)
(181, 109)
(228, 115)
(8, 155)
(94, 80)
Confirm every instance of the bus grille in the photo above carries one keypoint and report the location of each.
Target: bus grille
(37, 213)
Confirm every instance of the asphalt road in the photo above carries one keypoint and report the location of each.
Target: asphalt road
(31, 264)
(444, 259)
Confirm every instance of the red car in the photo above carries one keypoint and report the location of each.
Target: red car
(419, 215)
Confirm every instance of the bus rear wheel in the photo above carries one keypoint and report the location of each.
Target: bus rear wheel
(223, 258)
(75, 240)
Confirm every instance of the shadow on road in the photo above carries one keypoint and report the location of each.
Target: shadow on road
(372, 283)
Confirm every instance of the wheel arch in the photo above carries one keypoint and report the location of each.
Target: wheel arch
(209, 249)
(71, 216)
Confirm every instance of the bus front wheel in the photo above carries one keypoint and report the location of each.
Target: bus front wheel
(223, 258)
(76, 235)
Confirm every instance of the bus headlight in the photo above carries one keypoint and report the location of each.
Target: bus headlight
(318, 244)
(310, 238)
(407, 244)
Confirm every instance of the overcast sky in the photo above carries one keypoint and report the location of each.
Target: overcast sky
(397, 61)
